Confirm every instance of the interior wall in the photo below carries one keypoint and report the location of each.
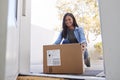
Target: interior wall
(110, 22)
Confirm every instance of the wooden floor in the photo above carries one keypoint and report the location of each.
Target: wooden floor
(37, 78)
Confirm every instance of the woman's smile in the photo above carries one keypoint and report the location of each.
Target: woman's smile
(69, 21)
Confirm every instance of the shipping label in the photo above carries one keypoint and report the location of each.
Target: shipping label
(53, 57)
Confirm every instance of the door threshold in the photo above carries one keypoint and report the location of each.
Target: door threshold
(65, 76)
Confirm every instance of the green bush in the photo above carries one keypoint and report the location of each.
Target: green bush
(98, 47)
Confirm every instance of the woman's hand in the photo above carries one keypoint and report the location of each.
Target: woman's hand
(83, 47)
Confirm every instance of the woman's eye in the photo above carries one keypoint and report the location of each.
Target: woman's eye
(66, 20)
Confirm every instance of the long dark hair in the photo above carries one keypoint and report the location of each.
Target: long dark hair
(64, 26)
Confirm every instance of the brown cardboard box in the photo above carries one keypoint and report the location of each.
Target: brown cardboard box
(65, 58)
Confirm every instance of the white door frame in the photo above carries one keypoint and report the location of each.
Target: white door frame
(110, 27)
(25, 29)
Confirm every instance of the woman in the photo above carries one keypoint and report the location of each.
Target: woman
(72, 33)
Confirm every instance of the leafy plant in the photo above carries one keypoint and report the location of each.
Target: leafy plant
(98, 47)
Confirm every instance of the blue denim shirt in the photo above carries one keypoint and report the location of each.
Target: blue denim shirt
(79, 34)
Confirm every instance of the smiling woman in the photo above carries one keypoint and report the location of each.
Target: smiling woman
(86, 13)
(72, 33)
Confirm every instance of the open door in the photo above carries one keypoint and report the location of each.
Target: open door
(9, 39)
(15, 27)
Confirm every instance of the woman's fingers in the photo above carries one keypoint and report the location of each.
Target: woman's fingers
(83, 46)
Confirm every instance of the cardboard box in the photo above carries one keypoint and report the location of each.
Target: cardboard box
(65, 58)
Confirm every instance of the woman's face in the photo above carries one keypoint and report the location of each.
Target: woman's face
(69, 21)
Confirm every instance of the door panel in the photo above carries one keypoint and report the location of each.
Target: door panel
(12, 42)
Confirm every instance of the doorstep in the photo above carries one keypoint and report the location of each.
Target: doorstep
(36, 76)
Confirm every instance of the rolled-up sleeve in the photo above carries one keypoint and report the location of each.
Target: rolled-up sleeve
(82, 35)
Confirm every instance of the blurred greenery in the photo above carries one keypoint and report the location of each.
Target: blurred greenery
(98, 47)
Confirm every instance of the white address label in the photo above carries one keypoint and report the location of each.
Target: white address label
(53, 57)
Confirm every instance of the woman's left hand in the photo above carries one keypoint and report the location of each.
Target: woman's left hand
(83, 47)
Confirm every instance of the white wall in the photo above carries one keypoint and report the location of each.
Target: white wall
(9, 41)
(40, 36)
(110, 22)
